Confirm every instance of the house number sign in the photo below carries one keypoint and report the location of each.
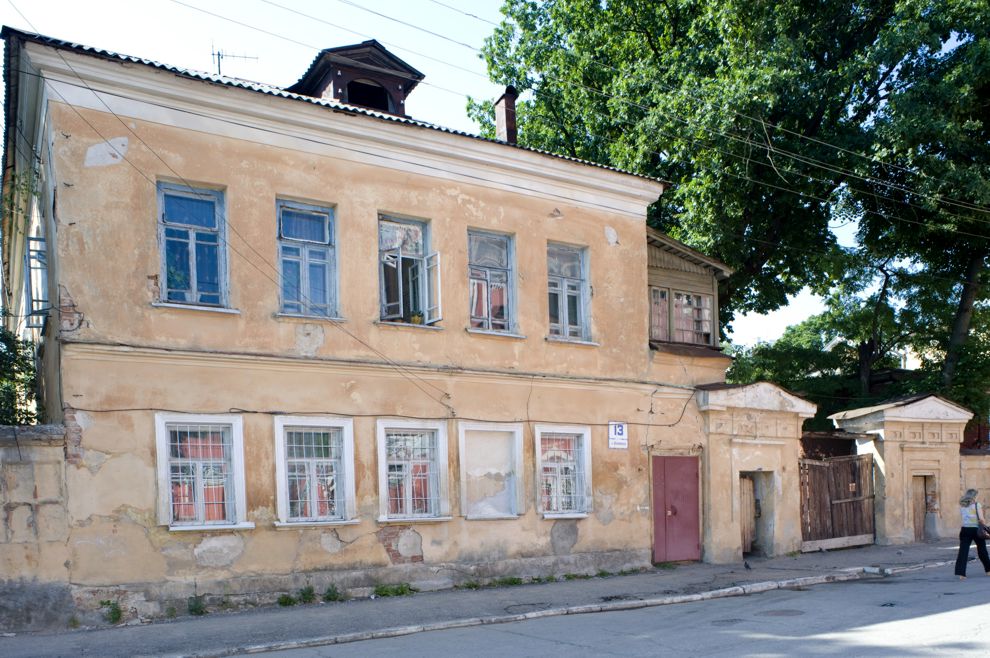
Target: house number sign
(618, 435)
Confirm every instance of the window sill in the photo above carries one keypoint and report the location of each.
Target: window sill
(288, 525)
(196, 307)
(499, 517)
(564, 515)
(308, 318)
(386, 323)
(247, 525)
(572, 341)
(413, 519)
(496, 334)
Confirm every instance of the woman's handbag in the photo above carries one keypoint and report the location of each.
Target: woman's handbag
(982, 532)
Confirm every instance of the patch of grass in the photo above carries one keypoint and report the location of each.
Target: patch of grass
(171, 612)
(794, 554)
(665, 565)
(507, 581)
(332, 594)
(576, 576)
(471, 584)
(196, 605)
(603, 574)
(629, 572)
(307, 594)
(399, 589)
(543, 579)
(112, 611)
(73, 622)
(286, 600)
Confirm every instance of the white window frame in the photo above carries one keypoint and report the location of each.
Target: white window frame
(510, 285)
(330, 245)
(346, 426)
(518, 497)
(585, 432)
(429, 283)
(219, 209)
(236, 423)
(584, 297)
(383, 425)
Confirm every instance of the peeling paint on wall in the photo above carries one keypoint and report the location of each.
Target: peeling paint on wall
(106, 153)
(402, 543)
(611, 236)
(309, 339)
(563, 536)
(218, 551)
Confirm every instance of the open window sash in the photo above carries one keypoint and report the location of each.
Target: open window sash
(433, 302)
(390, 264)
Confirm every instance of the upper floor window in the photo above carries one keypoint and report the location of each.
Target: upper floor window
(691, 317)
(490, 279)
(307, 260)
(409, 274)
(567, 285)
(36, 282)
(191, 229)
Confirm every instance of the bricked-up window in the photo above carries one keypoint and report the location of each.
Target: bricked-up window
(563, 470)
(412, 469)
(314, 467)
(201, 472)
(307, 260)
(490, 279)
(191, 226)
(491, 464)
(568, 292)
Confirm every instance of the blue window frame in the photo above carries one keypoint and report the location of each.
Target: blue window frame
(307, 260)
(191, 230)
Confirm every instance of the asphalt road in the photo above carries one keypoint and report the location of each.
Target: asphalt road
(922, 613)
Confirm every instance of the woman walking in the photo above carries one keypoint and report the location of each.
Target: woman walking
(972, 519)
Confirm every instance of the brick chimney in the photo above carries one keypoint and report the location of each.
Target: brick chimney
(505, 115)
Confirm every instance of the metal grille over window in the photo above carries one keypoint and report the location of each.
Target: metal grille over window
(200, 483)
(413, 487)
(191, 226)
(567, 291)
(37, 282)
(562, 473)
(692, 318)
(489, 276)
(307, 259)
(314, 468)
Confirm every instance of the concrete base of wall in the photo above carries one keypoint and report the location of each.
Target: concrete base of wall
(152, 600)
(27, 605)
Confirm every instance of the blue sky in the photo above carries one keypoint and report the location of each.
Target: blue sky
(285, 36)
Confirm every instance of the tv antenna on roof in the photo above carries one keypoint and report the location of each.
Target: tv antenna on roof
(219, 55)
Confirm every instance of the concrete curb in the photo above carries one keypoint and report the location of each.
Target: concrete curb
(612, 606)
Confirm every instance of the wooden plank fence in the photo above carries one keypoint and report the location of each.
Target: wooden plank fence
(837, 502)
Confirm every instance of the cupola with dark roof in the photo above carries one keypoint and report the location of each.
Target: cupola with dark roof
(364, 74)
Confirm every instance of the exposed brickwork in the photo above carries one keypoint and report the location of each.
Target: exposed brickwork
(389, 536)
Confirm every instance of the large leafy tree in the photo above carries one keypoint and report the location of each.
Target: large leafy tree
(773, 119)
(17, 380)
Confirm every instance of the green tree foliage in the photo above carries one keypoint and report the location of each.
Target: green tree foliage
(17, 380)
(775, 119)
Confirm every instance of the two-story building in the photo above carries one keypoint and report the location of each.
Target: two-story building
(296, 336)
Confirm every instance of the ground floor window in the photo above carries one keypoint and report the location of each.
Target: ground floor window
(563, 477)
(314, 463)
(490, 468)
(412, 469)
(200, 470)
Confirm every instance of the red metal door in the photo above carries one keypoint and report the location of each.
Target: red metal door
(675, 509)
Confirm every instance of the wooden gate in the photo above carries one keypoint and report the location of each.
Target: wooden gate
(837, 502)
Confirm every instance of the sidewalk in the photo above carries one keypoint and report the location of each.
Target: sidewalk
(224, 634)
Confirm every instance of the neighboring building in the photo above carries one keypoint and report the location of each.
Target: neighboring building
(298, 341)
